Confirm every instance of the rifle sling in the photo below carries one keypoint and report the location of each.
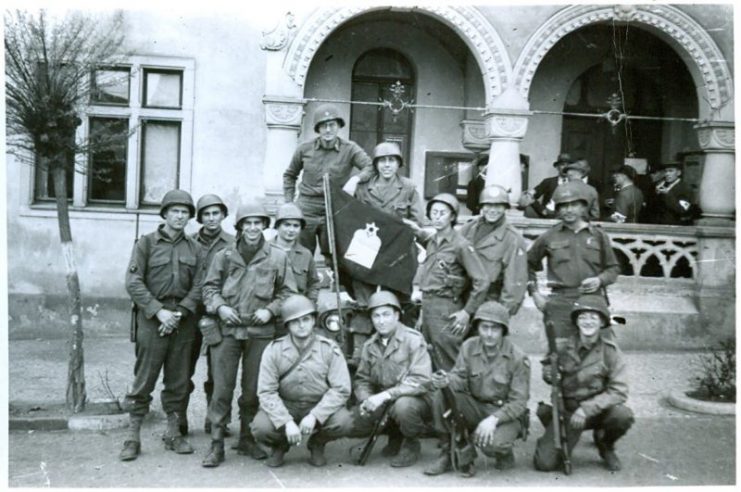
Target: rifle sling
(301, 357)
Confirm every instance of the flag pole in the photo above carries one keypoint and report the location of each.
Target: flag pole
(333, 249)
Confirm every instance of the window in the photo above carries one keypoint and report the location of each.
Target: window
(139, 127)
(44, 185)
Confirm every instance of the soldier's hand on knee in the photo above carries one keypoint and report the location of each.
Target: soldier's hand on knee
(440, 379)
(459, 322)
(262, 316)
(293, 433)
(307, 424)
(373, 402)
(229, 315)
(484, 433)
(578, 419)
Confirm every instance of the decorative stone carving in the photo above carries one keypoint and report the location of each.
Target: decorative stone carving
(484, 42)
(716, 136)
(278, 38)
(506, 125)
(283, 113)
(685, 31)
(474, 135)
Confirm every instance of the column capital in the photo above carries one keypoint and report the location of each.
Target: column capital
(716, 136)
(506, 124)
(283, 112)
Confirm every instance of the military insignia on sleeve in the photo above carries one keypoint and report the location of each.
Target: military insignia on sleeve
(133, 268)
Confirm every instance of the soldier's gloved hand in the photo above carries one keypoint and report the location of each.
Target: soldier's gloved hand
(169, 319)
(440, 379)
(578, 419)
(539, 300)
(293, 433)
(459, 322)
(262, 316)
(484, 434)
(229, 315)
(307, 424)
(351, 184)
(589, 285)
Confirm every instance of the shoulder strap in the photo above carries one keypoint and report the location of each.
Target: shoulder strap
(301, 356)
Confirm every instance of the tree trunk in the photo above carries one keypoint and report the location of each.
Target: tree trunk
(76, 395)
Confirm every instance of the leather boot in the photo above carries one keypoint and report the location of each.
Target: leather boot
(277, 457)
(246, 446)
(183, 423)
(441, 465)
(172, 438)
(608, 455)
(393, 445)
(215, 456)
(132, 444)
(316, 448)
(505, 461)
(408, 454)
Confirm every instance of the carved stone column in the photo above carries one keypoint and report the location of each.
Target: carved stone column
(283, 118)
(717, 192)
(505, 130)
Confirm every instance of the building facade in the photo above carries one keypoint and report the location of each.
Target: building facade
(217, 104)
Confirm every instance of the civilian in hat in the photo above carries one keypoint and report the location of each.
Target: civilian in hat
(537, 202)
(673, 205)
(476, 185)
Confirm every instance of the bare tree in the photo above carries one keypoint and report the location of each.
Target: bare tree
(49, 62)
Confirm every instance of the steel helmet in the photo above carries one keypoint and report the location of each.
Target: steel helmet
(570, 192)
(177, 197)
(327, 112)
(207, 201)
(385, 149)
(252, 209)
(296, 306)
(383, 298)
(591, 302)
(494, 194)
(448, 200)
(494, 312)
(289, 211)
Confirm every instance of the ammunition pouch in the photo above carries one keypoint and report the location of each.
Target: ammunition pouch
(210, 330)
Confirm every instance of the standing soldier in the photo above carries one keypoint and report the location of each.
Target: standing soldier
(328, 153)
(491, 386)
(210, 212)
(395, 370)
(303, 383)
(163, 280)
(452, 279)
(594, 386)
(289, 222)
(396, 195)
(580, 259)
(500, 247)
(245, 285)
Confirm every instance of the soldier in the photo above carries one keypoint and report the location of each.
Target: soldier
(628, 202)
(594, 385)
(398, 196)
(580, 259)
(303, 383)
(210, 212)
(452, 279)
(327, 153)
(673, 199)
(537, 202)
(163, 280)
(289, 222)
(245, 285)
(500, 247)
(491, 386)
(395, 370)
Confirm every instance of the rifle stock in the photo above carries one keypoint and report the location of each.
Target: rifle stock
(558, 420)
(378, 426)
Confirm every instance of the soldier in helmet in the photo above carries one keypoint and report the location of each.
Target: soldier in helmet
(594, 384)
(491, 385)
(395, 369)
(163, 279)
(453, 281)
(303, 384)
(328, 153)
(210, 213)
(501, 248)
(289, 222)
(245, 286)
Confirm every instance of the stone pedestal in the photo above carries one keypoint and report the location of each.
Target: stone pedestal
(716, 280)
(717, 191)
(505, 130)
(283, 118)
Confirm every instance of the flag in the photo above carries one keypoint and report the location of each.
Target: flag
(372, 245)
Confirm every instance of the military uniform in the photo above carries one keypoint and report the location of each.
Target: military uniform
(164, 272)
(572, 257)
(595, 380)
(499, 386)
(315, 160)
(261, 284)
(502, 252)
(319, 384)
(451, 272)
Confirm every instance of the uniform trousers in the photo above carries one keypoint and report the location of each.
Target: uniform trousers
(474, 411)
(155, 353)
(265, 431)
(436, 320)
(410, 414)
(315, 217)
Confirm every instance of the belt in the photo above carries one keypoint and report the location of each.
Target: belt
(170, 301)
(442, 294)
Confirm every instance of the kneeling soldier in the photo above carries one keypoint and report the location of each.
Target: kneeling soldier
(303, 378)
(594, 388)
(491, 385)
(394, 369)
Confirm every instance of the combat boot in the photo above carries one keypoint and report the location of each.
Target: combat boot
(172, 438)
(393, 445)
(316, 448)
(408, 454)
(441, 465)
(132, 444)
(183, 424)
(608, 455)
(215, 456)
(505, 461)
(277, 458)
(246, 446)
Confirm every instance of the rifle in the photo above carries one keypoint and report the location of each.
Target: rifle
(462, 450)
(558, 410)
(329, 216)
(134, 322)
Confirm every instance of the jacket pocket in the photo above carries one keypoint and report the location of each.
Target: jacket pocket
(187, 270)
(264, 282)
(559, 251)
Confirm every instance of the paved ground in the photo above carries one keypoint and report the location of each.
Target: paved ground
(665, 447)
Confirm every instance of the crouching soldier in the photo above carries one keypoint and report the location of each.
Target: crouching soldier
(245, 285)
(594, 388)
(303, 382)
(491, 385)
(395, 370)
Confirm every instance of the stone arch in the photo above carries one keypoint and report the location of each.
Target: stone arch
(700, 53)
(478, 34)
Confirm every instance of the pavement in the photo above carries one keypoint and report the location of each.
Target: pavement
(666, 446)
